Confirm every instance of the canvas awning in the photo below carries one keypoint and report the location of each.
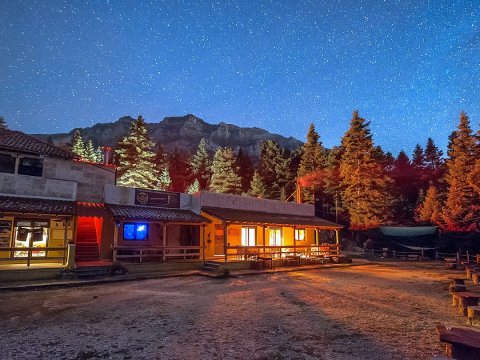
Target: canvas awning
(405, 231)
(148, 213)
(264, 218)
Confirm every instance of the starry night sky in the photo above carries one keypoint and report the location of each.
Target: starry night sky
(408, 66)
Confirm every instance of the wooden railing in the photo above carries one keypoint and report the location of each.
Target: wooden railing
(30, 250)
(156, 253)
(247, 252)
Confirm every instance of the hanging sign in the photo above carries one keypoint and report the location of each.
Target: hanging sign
(157, 198)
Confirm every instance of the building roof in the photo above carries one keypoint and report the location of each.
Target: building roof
(91, 209)
(258, 217)
(25, 205)
(128, 212)
(18, 141)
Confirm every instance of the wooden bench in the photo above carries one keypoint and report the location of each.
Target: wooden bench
(473, 316)
(462, 343)
(267, 261)
(413, 257)
(475, 276)
(463, 300)
(292, 260)
(453, 288)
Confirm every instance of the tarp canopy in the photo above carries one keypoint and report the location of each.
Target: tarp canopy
(406, 231)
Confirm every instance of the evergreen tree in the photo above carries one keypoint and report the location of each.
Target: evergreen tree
(136, 158)
(99, 154)
(461, 209)
(78, 147)
(429, 209)
(3, 123)
(332, 184)
(90, 154)
(180, 171)
(433, 156)
(224, 173)
(164, 180)
(245, 169)
(418, 158)
(257, 186)
(313, 160)
(474, 176)
(194, 187)
(201, 165)
(273, 168)
(365, 182)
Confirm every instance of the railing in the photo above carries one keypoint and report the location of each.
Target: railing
(30, 251)
(278, 252)
(433, 255)
(155, 253)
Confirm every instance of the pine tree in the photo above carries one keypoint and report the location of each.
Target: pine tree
(201, 165)
(194, 187)
(474, 176)
(332, 183)
(224, 173)
(418, 157)
(429, 209)
(180, 171)
(245, 169)
(273, 168)
(433, 156)
(461, 209)
(257, 186)
(164, 180)
(365, 182)
(78, 147)
(90, 154)
(313, 160)
(99, 155)
(136, 158)
(3, 123)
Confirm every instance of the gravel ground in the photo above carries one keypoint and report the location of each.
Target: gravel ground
(366, 312)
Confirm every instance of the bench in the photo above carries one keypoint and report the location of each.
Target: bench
(475, 276)
(473, 316)
(462, 343)
(267, 261)
(453, 288)
(413, 257)
(463, 300)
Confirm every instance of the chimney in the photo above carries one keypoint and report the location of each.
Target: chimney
(106, 154)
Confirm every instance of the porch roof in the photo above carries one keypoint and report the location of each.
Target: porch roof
(24, 205)
(258, 217)
(129, 212)
(90, 209)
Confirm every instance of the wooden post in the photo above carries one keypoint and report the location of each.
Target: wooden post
(203, 243)
(115, 241)
(337, 237)
(294, 242)
(65, 232)
(264, 240)
(225, 241)
(164, 240)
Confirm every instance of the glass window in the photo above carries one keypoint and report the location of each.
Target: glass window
(31, 233)
(7, 163)
(299, 234)
(275, 236)
(30, 166)
(135, 231)
(5, 233)
(248, 236)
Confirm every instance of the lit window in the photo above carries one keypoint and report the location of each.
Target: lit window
(31, 234)
(133, 231)
(275, 236)
(7, 163)
(30, 166)
(248, 236)
(299, 234)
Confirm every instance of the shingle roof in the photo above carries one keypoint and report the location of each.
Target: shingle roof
(36, 206)
(90, 209)
(18, 141)
(257, 217)
(154, 214)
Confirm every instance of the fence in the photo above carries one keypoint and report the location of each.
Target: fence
(277, 252)
(430, 254)
(156, 253)
(33, 254)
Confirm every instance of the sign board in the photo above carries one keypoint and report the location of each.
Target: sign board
(157, 198)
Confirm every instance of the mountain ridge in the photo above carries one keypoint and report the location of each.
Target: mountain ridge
(181, 132)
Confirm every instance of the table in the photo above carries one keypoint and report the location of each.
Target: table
(462, 343)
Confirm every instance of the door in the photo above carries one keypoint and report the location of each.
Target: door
(219, 239)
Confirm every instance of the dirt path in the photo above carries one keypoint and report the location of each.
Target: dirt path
(365, 312)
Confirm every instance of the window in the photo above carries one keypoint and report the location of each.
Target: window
(299, 234)
(31, 233)
(275, 236)
(30, 166)
(135, 231)
(7, 163)
(5, 233)
(248, 236)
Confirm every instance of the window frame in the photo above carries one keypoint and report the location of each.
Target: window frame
(248, 242)
(14, 158)
(296, 232)
(275, 229)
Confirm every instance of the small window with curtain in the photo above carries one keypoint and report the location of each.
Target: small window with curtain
(30, 166)
(248, 236)
(135, 231)
(299, 234)
(275, 237)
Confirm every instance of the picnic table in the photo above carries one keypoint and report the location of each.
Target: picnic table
(465, 299)
(267, 260)
(462, 343)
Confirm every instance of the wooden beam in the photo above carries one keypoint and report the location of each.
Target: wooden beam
(264, 239)
(225, 240)
(203, 243)
(115, 240)
(164, 241)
